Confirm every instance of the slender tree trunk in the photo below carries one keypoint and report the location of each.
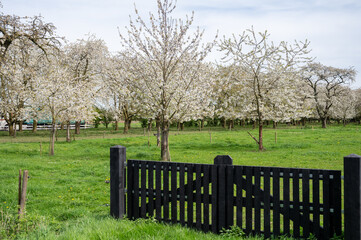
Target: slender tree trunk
(52, 139)
(324, 122)
(230, 124)
(14, 130)
(62, 126)
(303, 121)
(150, 125)
(21, 126)
(242, 122)
(130, 124)
(158, 132)
(165, 155)
(11, 129)
(274, 124)
(116, 124)
(224, 123)
(35, 126)
(77, 127)
(68, 137)
(10, 121)
(260, 135)
(202, 123)
(178, 126)
(182, 126)
(126, 125)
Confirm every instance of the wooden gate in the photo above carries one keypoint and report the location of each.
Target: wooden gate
(211, 197)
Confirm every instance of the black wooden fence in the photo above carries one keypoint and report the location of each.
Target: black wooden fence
(260, 200)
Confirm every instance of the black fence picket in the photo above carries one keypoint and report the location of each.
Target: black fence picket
(260, 200)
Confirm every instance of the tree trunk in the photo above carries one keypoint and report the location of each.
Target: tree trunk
(165, 155)
(21, 126)
(178, 126)
(182, 126)
(242, 122)
(14, 130)
(116, 124)
(230, 123)
(52, 139)
(202, 123)
(150, 125)
(303, 121)
(274, 124)
(35, 126)
(324, 122)
(260, 135)
(224, 123)
(62, 126)
(158, 132)
(77, 127)
(11, 129)
(130, 124)
(10, 123)
(126, 126)
(68, 137)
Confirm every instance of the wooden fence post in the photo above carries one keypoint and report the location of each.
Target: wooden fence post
(22, 192)
(352, 196)
(223, 190)
(117, 181)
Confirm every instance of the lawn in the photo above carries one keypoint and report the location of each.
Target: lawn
(68, 194)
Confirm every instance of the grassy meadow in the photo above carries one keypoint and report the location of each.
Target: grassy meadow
(68, 194)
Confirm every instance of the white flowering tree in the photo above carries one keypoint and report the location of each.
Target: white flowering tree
(228, 94)
(85, 60)
(15, 85)
(54, 91)
(122, 99)
(167, 61)
(268, 85)
(344, 107)
(59, 94)
(358, 104)
(326, 84)
(18, 38)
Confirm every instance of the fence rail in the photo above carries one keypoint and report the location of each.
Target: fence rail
(210, 197)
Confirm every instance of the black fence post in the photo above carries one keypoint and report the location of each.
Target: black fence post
(117, 181)
(352, 196)
(223, 188)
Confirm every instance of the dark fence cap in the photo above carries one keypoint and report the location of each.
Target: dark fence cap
(223, 160)
(118, 146)
(353, 156)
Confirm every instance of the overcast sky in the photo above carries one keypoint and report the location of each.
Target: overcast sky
(332, 26)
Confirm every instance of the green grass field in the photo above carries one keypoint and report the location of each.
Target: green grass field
(68, 197)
